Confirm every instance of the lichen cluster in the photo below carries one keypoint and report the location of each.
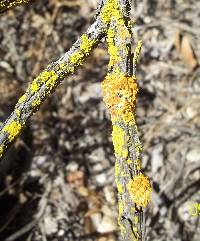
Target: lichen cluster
(85, 48)
(119, 94)
(111, 10)
(140, 189)
(12, 129)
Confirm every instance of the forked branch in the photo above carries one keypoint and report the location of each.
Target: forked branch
(119, 93)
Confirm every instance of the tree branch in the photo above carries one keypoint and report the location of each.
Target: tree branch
(119, 91)
(46, 83)
(7, 4)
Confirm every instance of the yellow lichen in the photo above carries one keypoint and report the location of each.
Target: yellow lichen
(22, 99)
(1, 151)
(8, 4)
(117, 169)
(77, 58)
(12, 129)
(52, 81)
(129, 161)
(112, 48)
(123, 32)
(36, 102)
(34, 87)
(86, 44)
(125, 153)
(137, 164)
(139, 189)
(110, 10)
(85, 48)
(119, 187)
(118, 139)
(137, 52)
(119, 94)
(17, 111)
(46, 77)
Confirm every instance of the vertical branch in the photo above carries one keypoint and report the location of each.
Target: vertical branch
(119, 92)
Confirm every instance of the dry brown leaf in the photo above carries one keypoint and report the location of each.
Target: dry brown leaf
(188, 53)
(88, 225)
(76, 179)
(184, 47)
(92, 211)
(83, 191)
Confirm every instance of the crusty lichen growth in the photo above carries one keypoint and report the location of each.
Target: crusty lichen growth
(12, 129)
(139, 189)
(111, 10)
(119, 94)
(112, 48)
(36, 102)
(22, 99)
(85, 48)
(86, 45)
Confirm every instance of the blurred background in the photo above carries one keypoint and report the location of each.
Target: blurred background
(57, 181)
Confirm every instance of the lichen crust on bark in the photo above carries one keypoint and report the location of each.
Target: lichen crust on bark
(119, 89)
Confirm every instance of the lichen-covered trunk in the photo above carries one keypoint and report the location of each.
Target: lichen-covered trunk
(119, 93)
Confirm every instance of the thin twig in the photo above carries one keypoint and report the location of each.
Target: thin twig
(7, 4)
(46, 83)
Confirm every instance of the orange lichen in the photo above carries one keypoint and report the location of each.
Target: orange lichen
(139, 189)
(119, 95)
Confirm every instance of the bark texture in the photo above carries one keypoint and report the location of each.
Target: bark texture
(119, 91)
(46, 82)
